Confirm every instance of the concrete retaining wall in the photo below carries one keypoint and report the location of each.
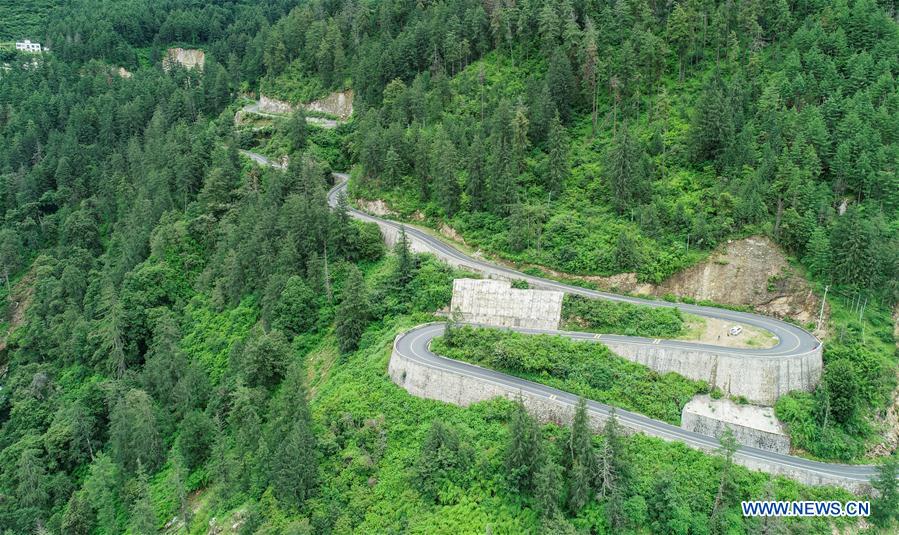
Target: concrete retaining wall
(760, 379)
(495, 302)
(753, 426)
(451, 387)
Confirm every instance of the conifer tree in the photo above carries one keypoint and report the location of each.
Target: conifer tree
(142, 517)
(627, 170)
(885, 509)
(297, 130)
(558, 167)
(613, 472)
(726, 482)
(581, 460)
(353, 312)
(30, 473)
(523, 449)
(817, 252)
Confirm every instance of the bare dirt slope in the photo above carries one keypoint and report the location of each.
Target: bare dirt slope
(891, 418)
(749, 272)
(752, 271)
(186, 57)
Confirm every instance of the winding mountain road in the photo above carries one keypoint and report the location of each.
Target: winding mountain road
(414, 345)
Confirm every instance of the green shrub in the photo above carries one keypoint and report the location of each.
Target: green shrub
(597, 315)
(587, 369)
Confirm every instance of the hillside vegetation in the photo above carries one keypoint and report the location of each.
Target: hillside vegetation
(203, 342)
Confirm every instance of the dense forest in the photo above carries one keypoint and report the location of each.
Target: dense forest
(195, 343)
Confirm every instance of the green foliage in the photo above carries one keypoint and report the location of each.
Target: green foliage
(443, 465)
(586, 369)
(263, 359)
(886, 505)
(523, 455)
(195, 439)
(601, 316)
(149, 251)
(353, 313)
(296, 309)
(133, 432)
(24, 19)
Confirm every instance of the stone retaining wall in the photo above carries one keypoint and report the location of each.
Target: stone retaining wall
(449, 386)
(495, 302)
(760, 379)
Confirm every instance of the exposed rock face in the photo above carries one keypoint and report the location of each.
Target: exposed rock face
(376, 207)
(752, 271)
(272, 105)
(339, 103)
(188, 58)
(891, 418)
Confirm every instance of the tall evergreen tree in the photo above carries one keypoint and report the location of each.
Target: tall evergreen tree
(581, 460)
(627, 170)
(817, 253)
(353, 312)
(885, 511)
(613, 472)
(557, 163)
(133, 432)
(726, 483)
(297, 131)
(142, 517)
(523, 449)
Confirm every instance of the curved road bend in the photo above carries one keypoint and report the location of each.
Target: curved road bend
(792, 340)
(415, 345)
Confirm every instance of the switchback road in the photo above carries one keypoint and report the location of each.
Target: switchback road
(792, 340)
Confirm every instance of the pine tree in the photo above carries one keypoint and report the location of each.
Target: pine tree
(353, 312)
(30, 473)
(79, 517)
(142, 518)
(581, 460)
(442, 459)
(446, 184)
(133, 432)
(562, 85)
(292, 466)
(178, 477)
(627, 170)
(681, 34)
(856, 249)
(613, 473)
(557, 163)
(10, 255)
(886, 505)
(523, 449)
(520, 141)
(726, 482)
(297, 130)
(404, 271)
(548, 486)
(476, 187)
(817, 253)
(101, 490)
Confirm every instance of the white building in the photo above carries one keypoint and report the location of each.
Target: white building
(28, 46)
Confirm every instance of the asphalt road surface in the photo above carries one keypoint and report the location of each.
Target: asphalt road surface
(792, 340)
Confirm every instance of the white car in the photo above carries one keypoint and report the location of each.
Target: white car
(735, 330)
